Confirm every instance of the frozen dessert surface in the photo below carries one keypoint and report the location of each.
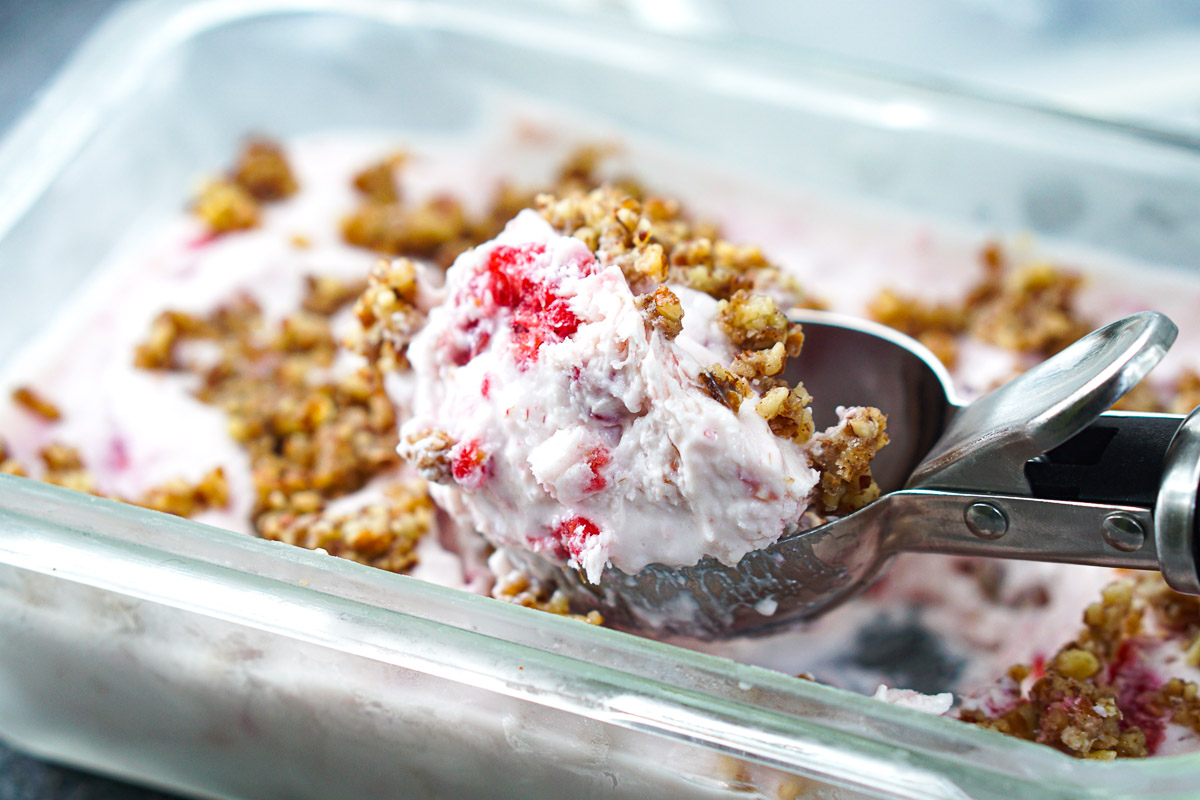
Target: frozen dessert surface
(595, 376)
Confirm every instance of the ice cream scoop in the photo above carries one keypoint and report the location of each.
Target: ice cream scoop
(1036, 469)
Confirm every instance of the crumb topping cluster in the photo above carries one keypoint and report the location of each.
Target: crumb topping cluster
(382, 534)
(437, 229)
(234, 202)
(63, 465)
(653, 242)
(387, 314)
(309, 439)
(1096, 698)
(520, 589)
(1027, 308)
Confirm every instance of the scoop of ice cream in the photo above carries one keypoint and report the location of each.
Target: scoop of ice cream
(555, 415)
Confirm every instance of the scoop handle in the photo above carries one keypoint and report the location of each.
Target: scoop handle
(1119, 458)
(1176, 513)
(1124, 492)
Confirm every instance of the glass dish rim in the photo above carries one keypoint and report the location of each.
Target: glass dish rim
(107, 67)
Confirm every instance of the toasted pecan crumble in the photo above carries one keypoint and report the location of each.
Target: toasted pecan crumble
(420, 231)
(935, 325)
(260, 175)
(1028, 309)
(309, 440)
(652, 241)
(520, 589)
(326, 295)
(725, 387)
(36, 403)
(303, 436)
(787, 413)
(63, 465)
(377, 182)
(429, 453)
(663, 311)
(263, 171)
(843, 457)
(754, 322)
(1180, 398)
(387, 313)
(755, 364)
(382, 534)
(224, 206)
(185, 499)
(1095, 699)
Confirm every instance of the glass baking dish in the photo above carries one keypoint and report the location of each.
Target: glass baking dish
(196, 659)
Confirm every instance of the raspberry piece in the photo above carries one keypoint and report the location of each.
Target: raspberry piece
(539, 315)
(469, 465)
(574, 535)
(597, 459)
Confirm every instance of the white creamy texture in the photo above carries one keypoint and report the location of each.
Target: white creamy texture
(925, 703)
(598, 446)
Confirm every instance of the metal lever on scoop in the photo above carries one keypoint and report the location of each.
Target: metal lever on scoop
(1035, 469)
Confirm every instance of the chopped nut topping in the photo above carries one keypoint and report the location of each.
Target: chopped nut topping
(35, 403)
(752, 321)
(263, 172)
(303, 437)
(725, 387)
(182, 499)
(1029, 310)
(396, 229)
(843, 458)
(429, 452)
(653, 242)
(1183, 397)
(1180, 701)
(519, 589)
(937, 326)
(63, 466)
(58, 457)
(1077, 664)
(387, 314)
(327, 295)
(663, 311)
(224, 206)
(378, 181)
(1095, 699)
(787, 412)
(382, 535)
(753, 364)
(8, 464)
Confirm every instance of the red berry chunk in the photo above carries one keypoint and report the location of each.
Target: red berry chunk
(574, 535)
(1137, 688)
(597, 459)
(469, 465)
(538, 314)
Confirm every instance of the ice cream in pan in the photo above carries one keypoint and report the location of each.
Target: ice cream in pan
(596, 365)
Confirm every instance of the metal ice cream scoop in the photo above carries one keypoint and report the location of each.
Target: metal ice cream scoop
(1036, 469)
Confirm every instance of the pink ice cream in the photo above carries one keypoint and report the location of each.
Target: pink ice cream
(582, 432)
